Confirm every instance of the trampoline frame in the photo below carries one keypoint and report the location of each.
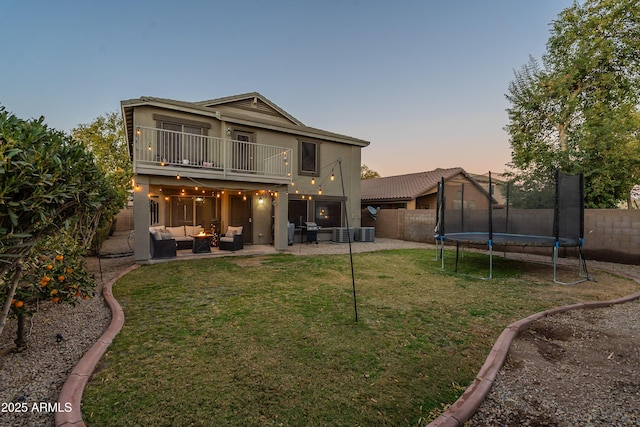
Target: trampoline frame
(508, 239)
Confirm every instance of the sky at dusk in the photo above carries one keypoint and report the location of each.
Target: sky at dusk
(423, 81)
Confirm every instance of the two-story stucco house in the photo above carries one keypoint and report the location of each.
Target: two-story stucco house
(236, 161)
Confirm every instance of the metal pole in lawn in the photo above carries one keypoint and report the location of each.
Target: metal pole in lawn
(346, 219)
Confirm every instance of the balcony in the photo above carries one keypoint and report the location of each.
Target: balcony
(165, 152)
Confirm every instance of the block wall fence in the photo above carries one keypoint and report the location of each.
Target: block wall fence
(609, 234)
(124, 219)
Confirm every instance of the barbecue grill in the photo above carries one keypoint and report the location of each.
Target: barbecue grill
(312, 232)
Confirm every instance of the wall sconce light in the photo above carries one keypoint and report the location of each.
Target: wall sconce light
(229, 131)
(178, 176)
(320, 190)
(260, 200)
(332, 176)
(313, 181)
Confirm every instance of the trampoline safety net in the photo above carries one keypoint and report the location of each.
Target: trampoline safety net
(551, 209)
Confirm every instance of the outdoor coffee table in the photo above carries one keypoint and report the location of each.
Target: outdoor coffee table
(201, 243)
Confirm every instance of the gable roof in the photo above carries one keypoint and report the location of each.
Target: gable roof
(250, 101)
(406, 187)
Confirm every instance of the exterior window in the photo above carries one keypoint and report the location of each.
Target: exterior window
(309, 158)
(154, 212)
(328, 214)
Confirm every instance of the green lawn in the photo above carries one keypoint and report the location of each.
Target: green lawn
(272, 340)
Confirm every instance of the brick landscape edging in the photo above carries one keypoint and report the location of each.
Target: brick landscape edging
(73, 387)
(464, 408)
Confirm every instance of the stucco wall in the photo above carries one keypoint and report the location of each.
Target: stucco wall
(610, 234)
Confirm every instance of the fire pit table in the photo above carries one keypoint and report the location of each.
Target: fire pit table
(201, 243)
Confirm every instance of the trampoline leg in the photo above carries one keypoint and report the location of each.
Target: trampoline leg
(583, 264)
(457, 250)
(555, 264)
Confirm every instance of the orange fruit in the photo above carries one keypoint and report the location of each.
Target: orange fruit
(61, 278)
(69, 270)
(59, 257)
(13, 301)
(19, 304)
(55, 300)
(49, 267)
(54, 291)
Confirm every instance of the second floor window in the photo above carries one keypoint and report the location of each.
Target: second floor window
(309, 158)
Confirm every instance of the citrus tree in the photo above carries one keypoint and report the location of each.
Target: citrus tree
(54, 271)
(49, 183)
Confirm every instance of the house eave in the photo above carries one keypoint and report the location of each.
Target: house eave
(299, 130)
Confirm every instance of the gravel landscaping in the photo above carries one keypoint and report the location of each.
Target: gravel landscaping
(580, 368)
(57, 339)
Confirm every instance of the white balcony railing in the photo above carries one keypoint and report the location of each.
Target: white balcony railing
(219, 156)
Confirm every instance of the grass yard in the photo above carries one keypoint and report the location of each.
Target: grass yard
(272, 340)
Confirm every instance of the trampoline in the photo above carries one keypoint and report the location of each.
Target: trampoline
(550, 215)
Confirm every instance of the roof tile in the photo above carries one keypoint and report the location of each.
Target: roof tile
(405, 187)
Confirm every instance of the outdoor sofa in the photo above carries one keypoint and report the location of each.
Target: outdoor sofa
(180, 237)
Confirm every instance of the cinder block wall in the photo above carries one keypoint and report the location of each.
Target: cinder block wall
(610, 234)
(124, 219)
